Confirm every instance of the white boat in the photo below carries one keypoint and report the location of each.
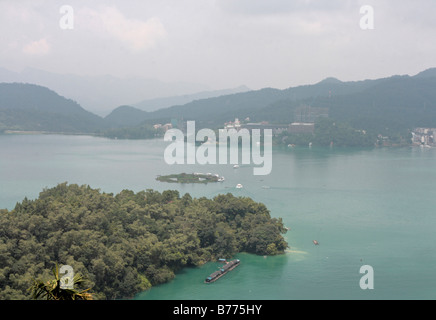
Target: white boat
(236, 166)
(221, 179)
(239, 186)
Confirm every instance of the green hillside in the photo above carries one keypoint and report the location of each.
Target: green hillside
(126, 243)
(397, 103)
(30, 107)
(125, 116)
(387, 106)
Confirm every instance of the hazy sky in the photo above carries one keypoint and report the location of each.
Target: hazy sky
(221, 43)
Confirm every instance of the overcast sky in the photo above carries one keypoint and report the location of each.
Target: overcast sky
(221, 43)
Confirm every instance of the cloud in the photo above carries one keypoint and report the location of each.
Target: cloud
(137, 35)
(273, 7)
(39, 47)
(221, 42)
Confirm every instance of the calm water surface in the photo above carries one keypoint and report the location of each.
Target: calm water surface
(365, 207)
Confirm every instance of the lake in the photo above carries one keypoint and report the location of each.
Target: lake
(365, 207)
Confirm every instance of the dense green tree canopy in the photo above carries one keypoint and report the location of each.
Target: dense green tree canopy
(128, 242)
(330, 132)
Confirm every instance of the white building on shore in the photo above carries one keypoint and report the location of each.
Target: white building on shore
(424, 136)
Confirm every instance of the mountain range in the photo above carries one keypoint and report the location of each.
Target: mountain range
(379, 103)
(397, 103)
(101, 94)
(29, 107)
(165, 102)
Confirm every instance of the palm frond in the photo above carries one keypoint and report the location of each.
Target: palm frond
(51, 290)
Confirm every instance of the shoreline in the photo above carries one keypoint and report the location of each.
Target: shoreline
(98, 135)
(34, 132)
(187, 178)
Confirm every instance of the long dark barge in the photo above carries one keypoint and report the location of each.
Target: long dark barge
(228, 266)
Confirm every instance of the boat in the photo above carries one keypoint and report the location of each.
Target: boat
(315, 242)
(221, 179)
(228, 266)
(239, 186)
(236, 166)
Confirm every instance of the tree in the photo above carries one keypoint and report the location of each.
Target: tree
(51, 290)
(123, 243)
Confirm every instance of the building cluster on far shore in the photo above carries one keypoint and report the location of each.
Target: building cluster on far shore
(295, 127)
(304, 122)
(424, 137)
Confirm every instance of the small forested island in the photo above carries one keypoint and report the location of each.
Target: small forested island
(127, 242)
(191, 178)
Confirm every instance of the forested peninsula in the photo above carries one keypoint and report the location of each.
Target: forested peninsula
(128, 242)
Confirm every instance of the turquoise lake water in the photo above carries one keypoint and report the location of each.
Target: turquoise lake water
(372, 207)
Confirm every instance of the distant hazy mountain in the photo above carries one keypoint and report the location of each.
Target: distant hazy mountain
(125, 116)
(383, 105)
(398, 102)
(134, 115)
(160, 103)
(429, 73)
(257, 104)
(395, 103)
(34, 108)
(101, 94)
